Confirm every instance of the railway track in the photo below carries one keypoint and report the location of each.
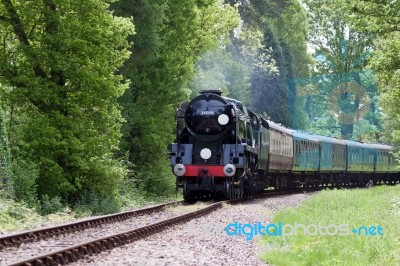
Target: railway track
(15, 240)
(74, 252)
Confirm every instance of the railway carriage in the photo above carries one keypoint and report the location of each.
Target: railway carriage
(306, 153)
(360, 163)
(279, 153)
(385, 163)
(305, 159)
(333, 155)
(280, 156)
(332, 164)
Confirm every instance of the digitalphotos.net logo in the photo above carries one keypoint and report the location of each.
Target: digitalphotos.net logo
(287, 230)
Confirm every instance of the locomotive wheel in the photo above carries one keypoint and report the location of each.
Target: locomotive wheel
(187, 196)
(229, 188)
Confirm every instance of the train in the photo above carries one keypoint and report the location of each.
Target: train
(224, 149)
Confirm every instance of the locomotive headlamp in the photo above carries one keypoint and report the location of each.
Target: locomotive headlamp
(205, 154)
(229, 170)
(179, 169)
(223, 119)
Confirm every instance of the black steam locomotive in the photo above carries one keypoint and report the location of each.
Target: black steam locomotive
(224, 149)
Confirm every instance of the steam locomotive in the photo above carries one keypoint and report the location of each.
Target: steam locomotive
(224, 149)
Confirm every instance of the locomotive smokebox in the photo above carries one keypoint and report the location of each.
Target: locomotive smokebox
(209, 116)
(218, 92)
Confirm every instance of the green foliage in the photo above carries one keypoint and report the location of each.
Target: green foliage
(253, 12)
(372, 207)
(365, 131)
(95, 204)
(324, 125)
(386, 61)
(171, 37)
(50, 205)
(293, 30)
(267, 88)
(272, 44)
(24, 186)
(381, 18)
(5, 169)
(375, 16)
(342, 53)
(59, 60)
(264, 56)
(17, 216)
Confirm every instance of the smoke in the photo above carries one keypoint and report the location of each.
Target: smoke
(230, 69)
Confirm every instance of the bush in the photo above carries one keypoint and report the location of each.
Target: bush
(23, 183)
(158, 180)
(93, 203)
(16, 216)
(50, 205)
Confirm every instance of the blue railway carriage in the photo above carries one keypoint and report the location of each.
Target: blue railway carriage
(305, 158)
(332, 164)
(360, 159)
(333, 154)
(306, 152)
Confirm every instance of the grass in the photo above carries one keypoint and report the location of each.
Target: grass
(378, 206)
(18, 216)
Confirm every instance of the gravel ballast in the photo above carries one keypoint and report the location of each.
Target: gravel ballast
(202, 241)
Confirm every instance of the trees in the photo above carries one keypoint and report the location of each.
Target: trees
(5, 171)
(381, 18)
(342, 54)
(272, 44)
(59, 62)
(292, 29)
(268, 78)
(171, 37)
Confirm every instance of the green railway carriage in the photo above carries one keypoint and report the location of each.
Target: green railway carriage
(306, 152)
(333, 154)
(384, 159)
(360, 157)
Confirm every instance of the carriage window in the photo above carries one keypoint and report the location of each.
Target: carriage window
(273, 146)
(297, 148)
(279, 147)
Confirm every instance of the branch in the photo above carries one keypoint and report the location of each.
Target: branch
(51, 28)
(21, 35)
